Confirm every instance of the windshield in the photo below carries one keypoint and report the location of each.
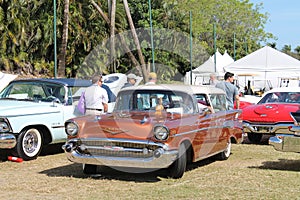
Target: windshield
(34, 91)
(281, 97)
(151, 100)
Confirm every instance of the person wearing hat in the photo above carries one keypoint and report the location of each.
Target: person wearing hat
(131, 80)
(152, 78)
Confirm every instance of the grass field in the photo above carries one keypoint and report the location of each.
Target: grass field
(251, 172)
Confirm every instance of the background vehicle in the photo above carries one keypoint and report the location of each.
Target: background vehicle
(33, 112)
(288, 142)
(271, 115)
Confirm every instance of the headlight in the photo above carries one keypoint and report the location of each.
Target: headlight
(4, 127)
(71, 128)
(161, 132)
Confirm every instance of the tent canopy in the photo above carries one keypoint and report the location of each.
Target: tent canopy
(201, 73)
(265, 59)
(266, 63)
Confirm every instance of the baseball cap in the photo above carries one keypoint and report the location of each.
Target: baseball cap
(133, 76)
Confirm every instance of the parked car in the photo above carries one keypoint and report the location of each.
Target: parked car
(155, 127)
(271, 115)
(289, 142)
(33, 113)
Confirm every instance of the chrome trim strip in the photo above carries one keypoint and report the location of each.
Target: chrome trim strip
(197, 130)
(32, 114)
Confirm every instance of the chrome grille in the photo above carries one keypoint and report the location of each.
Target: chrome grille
(118, 148)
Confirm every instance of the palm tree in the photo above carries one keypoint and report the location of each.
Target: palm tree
(112, 35)
(136, 41)
(64, 41)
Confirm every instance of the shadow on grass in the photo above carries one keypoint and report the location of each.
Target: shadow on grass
(52, 149)
(123, 174)
(107, 173)
(264, 140)
(46, 150)
(281, 164)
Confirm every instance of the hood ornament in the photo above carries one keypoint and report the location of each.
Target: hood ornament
(144, 120)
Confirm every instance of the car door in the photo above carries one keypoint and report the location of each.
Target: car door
(214, 139)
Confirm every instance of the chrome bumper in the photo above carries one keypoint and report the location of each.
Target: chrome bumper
(287, 143)
(7, 141)
(267, 128)
(79, 152)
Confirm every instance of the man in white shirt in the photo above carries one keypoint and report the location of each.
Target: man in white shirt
(96, 97)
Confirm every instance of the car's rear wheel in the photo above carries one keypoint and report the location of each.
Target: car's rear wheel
(29, 144)
(254, 137)
(226, 153)
(89, 169)
(177, 169)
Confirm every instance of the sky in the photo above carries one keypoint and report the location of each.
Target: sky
(283, 22)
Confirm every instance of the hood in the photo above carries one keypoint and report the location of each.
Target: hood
(269, 112)
(119, 125)
(14, 107)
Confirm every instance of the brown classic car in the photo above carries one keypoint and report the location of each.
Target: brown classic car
(154, 127)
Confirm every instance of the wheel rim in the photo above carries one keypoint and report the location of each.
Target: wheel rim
(31, 142)
(228, 149)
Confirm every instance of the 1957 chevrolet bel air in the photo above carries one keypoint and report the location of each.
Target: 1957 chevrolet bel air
(154, 127)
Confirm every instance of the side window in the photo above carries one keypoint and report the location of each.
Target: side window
(218, 102)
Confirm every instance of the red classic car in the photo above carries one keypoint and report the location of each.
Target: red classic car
(155, 127)
(271, 115)
(288, 142)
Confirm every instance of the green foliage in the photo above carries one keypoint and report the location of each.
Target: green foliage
(27, 41)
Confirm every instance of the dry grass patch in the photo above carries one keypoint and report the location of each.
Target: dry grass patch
(252, 172)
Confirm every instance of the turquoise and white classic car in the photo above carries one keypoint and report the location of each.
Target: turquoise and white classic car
(33, 112)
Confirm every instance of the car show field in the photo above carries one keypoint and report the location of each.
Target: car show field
(251, 172)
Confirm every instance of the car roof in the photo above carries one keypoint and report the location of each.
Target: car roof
(70, 82)
(191, 89)
(284, 89)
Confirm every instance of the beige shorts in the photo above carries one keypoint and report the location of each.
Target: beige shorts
(93, 112)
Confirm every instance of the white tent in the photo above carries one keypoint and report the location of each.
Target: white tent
(268, 64)
(5, 79)
(200, 75)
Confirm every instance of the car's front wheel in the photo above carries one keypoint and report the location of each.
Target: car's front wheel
(177, 169)
(254, 137)
(29, 144)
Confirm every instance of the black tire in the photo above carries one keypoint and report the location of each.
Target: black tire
(89, 169)
(177, 169)
(226, 153)
(29, 144)
(254, 137)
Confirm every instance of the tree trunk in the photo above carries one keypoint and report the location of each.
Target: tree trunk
(122, 39)
(136, 41)
(112, 36)
(64, 43)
